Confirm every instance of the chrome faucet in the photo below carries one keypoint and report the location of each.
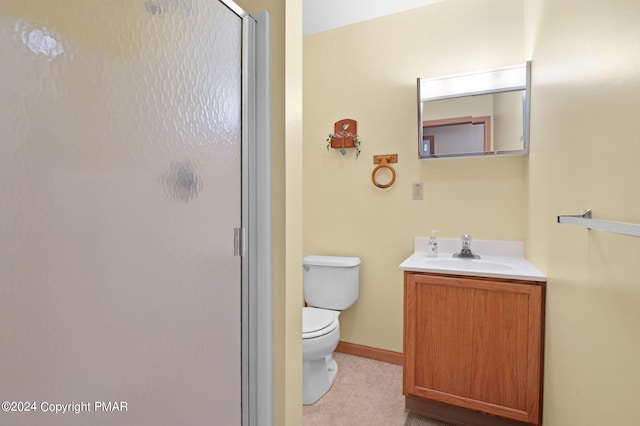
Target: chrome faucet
(466, 248)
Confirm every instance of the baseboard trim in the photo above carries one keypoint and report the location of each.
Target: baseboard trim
(371, 353)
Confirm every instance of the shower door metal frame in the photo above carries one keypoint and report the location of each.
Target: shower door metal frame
(257, 358)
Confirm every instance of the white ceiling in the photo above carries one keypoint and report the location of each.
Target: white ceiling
(322, 15)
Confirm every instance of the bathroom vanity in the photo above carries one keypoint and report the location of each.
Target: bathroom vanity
(473, 335)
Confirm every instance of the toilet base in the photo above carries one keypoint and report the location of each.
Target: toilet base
(317, 378)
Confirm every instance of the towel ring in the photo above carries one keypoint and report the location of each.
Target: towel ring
(383, 164)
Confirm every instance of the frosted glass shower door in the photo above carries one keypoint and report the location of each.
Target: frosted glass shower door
(120, 188)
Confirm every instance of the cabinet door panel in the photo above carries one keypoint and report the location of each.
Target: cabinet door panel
(474, 343)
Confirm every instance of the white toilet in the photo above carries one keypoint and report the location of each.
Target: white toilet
(331, 284)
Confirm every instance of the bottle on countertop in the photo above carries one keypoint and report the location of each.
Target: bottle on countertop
(432, 251)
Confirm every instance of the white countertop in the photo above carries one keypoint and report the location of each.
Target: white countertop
(499, 259)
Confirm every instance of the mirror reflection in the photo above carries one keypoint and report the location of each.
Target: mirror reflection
(472, 125)
(483, 113)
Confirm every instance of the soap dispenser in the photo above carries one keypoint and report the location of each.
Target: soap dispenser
(432, 251)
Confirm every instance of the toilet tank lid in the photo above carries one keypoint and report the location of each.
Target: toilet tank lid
(336, 261)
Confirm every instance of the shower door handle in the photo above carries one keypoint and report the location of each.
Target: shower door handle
(239, 241)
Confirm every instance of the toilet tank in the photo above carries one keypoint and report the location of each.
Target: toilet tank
(331, 282)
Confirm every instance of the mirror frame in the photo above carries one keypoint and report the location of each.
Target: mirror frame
(498, 80)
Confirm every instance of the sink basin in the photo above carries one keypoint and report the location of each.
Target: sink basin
(500, 259)
(459, 264)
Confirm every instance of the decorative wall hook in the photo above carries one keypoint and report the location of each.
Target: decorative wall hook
(382, 162)
(345, 135)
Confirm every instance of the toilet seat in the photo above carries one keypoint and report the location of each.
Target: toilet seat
(318, 322)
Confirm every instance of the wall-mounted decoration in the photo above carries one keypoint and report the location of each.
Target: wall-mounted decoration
(345, 135)
(382, 162)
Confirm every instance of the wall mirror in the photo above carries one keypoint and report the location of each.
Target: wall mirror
(480, 113)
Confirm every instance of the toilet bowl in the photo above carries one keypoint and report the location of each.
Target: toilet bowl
(320, 336)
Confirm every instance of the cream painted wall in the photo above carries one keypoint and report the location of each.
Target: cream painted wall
(367, 72)
(584, 154)
(582, 77)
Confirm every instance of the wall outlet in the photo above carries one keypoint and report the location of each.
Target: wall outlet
(418, 191)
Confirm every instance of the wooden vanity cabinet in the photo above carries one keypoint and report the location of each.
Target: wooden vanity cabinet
(473, 348)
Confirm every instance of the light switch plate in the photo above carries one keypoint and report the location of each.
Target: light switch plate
(418, 191)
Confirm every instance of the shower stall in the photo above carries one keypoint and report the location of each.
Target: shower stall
(134, 213)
